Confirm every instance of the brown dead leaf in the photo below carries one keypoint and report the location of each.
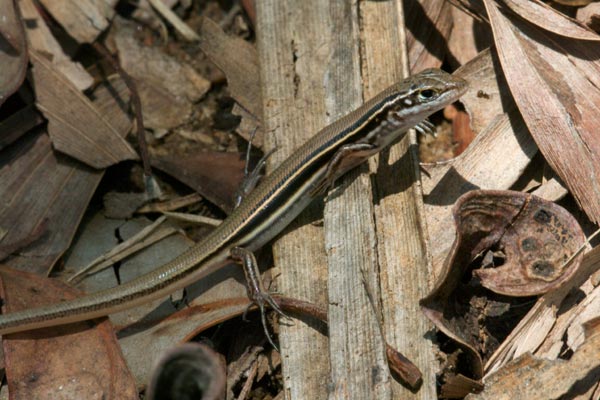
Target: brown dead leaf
(13, 50)
(18, 245)
(488, 97)
(237, 370)
(73, 360)
(37, 185)
(428, 25)
(555, 84)
(548, 18)
(238, 60)
(215, 175)
(468, 37)
(151, 64)
(167, 87)
(590, 16)
(537, 238)
(533, 238)
(75, 124)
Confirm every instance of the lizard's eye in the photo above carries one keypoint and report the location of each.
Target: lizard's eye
(427, 94)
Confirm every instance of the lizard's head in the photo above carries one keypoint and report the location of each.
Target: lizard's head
(426, 92)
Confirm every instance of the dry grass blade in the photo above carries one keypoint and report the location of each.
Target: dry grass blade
(146, 237)
(174, 20)
(193, 218)
(554, 82)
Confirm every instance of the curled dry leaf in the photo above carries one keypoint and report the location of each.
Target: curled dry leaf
(13, 50)
(189, 371)
(536, 239)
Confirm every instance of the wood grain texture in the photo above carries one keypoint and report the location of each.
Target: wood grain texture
(294, 49)
(358, 363)
(403, 259)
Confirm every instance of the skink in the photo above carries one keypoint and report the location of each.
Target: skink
(273, 204)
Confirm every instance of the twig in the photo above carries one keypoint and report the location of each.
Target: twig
(174, 20)
(152, 189)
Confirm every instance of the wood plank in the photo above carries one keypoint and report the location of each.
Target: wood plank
(403, 258)
(356, 349)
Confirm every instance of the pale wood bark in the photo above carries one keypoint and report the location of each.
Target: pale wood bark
(357, 349)
(404, 260)
(293, 53)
